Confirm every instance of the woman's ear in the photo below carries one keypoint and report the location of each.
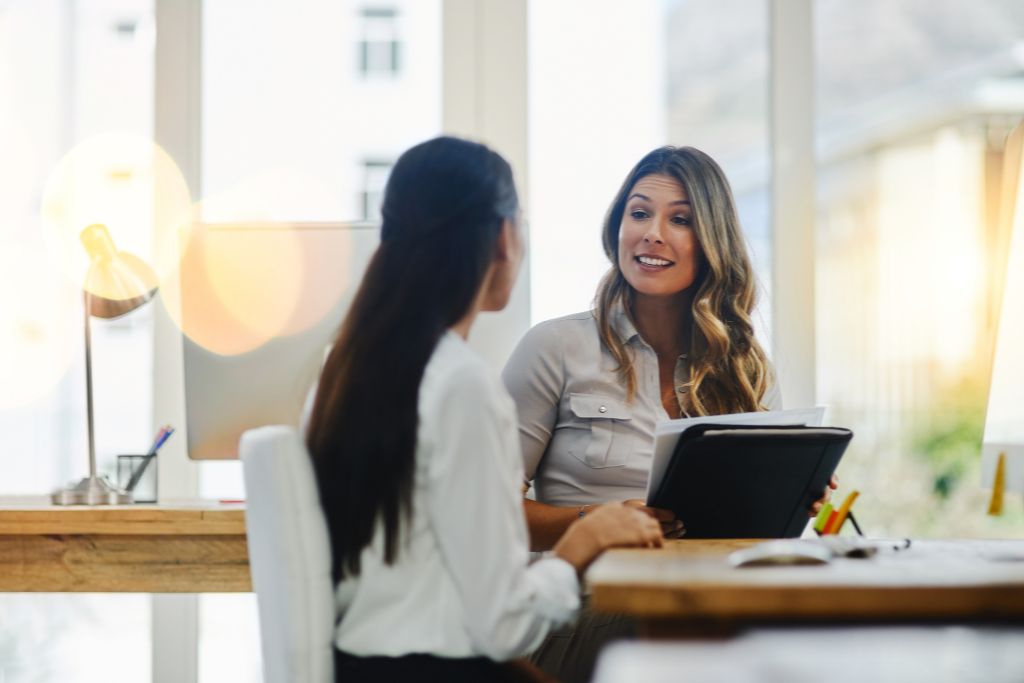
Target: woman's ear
(508, 255)
(504, 247)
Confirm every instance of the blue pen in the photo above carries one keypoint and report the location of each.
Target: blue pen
(162, 440)
(159, 436)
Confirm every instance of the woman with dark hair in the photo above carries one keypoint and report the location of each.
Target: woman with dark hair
(415, 450)
(670, 336)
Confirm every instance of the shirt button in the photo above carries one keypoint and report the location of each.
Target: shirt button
(602, 409)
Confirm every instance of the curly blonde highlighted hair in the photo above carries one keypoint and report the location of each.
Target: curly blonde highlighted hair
(729, 372)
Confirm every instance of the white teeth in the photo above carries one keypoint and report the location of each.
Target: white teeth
(648, 261)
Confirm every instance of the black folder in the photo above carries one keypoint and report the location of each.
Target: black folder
(749, 481)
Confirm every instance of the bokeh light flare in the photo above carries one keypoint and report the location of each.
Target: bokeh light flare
(125, 182)
(39, 317)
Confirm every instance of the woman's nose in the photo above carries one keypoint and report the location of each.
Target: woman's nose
(654, 233)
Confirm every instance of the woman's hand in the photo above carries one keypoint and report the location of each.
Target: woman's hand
(833, 484)
(671, 526)
(607, 526)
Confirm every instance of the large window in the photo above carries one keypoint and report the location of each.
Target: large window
(71, 72)
(76, 85)
(288, 121)
(909, 149)
(306, 103)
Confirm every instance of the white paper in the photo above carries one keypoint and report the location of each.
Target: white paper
(666, 434)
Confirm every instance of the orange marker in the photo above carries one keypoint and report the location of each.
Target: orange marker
(828, 524)
(844, 511)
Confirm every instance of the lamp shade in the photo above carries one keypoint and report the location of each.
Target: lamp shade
(117, 282)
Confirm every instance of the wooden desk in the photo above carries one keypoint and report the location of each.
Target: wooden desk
(177, 548)
(689, 586)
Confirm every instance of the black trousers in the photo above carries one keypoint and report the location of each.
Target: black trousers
(429, 669)
(570, 652)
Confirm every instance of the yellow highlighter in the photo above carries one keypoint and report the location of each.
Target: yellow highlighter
(844, 511)
(995, 506)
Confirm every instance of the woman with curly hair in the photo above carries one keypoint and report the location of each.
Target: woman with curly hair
(670, 336)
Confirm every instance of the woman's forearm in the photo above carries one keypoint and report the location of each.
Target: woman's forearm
(547, 523)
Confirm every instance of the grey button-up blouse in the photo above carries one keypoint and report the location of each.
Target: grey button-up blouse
(583, 443)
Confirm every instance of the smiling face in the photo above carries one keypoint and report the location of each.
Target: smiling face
(659, 254)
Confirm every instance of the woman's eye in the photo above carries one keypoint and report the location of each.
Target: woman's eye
(638, 214)
(681, 220)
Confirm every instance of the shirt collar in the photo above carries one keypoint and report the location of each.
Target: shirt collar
(622, 324)
(624, 327)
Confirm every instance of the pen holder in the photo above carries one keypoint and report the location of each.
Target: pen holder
(138, 473)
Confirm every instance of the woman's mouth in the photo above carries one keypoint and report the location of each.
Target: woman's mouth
(653, 263)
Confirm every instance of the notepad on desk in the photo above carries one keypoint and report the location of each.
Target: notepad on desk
(750, 475)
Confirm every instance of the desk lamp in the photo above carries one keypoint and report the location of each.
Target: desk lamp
(1003, 444)
(116, 284)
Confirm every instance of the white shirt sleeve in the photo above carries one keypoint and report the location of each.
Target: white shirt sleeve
(475, 509)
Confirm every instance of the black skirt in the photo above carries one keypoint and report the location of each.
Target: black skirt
(430, 669)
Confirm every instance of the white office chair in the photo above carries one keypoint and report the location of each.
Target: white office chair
(289, 556)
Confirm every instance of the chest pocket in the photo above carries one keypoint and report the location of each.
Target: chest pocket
(602, 441)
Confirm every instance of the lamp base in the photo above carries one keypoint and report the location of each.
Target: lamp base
(92, 491)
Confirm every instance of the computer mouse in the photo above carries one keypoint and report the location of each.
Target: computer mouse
(785, 552)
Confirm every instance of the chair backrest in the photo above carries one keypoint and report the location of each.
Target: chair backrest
(289, 556)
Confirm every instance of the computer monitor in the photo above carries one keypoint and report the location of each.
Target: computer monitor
(259, 306)
(260, 303)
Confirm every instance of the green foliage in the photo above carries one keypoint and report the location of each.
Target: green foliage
(952, 440)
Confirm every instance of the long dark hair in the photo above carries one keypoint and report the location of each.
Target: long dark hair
(729, 371)
(444, 206)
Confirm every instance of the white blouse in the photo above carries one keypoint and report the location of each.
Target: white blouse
(461, 585)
